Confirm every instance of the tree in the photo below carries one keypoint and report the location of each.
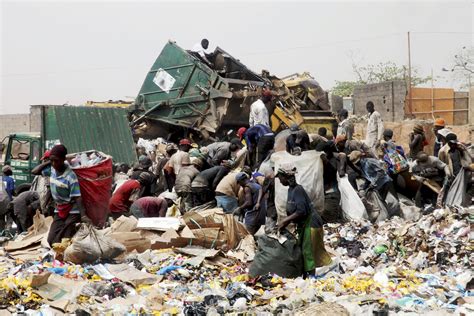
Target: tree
(463, 67)
(376, 73)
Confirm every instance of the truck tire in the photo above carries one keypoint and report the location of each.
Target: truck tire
(22, 188)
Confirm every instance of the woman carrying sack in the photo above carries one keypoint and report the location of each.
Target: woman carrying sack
(300, 211)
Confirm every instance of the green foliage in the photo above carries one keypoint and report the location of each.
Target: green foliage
(376, 73)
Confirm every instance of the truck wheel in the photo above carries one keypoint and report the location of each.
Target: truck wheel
(22, 188)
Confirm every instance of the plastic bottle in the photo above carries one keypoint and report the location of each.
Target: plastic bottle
(84, 159)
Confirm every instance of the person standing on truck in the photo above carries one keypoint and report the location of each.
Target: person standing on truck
(374, 127)
(66, 193)
(259, 111)
(201, 50)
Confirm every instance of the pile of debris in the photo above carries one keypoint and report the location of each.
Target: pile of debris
(198, 265)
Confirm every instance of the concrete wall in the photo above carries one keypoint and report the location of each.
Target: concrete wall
(388, 97)
(10, 123)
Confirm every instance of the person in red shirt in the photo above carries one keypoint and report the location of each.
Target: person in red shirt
(124, 196)
(152, 206)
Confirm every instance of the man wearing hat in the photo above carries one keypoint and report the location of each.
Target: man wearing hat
(373, 173)
(144, 165)
(428, 169)
(455, 155)
(458, 159)
(298, 141)
(301, 211)
(174, 164)
(66, 193)
(417, 141)
(259, 111)
(439, 124)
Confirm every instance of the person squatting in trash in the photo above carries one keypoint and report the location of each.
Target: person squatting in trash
(66, 193)
(152, 206)
(300, 210)
(374, 174)
(252, 210)
(128, 192)
(204, 185)
(429, 168)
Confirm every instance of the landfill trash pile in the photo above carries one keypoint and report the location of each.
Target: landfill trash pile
(395, 266)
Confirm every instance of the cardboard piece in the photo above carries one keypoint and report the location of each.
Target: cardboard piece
(132, 241)
(60, 288)
(169, 234)
(124, 224)
(37, 280)
(187, 233)
(62, 305)
(131, 275)
(197, 251)
(158, 223)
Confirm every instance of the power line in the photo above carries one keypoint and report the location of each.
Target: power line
(382, 36)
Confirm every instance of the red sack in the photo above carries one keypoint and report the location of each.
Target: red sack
(96, 185)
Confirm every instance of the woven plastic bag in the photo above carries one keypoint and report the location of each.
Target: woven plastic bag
(89, 245)
(351, 204)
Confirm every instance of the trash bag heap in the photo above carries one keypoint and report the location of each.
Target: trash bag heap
(397, 265)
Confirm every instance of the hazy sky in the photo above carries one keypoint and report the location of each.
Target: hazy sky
(58, 52)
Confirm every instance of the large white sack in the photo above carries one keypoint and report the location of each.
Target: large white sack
(309, 175)
(351, 204)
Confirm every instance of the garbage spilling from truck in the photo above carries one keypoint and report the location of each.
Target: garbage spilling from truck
(200, 266)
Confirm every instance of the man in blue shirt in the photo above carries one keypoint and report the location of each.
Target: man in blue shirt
(260, 141)
(373, 173)
(8, 180)
(65, 191)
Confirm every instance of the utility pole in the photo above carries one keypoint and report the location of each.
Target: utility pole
(409, 78)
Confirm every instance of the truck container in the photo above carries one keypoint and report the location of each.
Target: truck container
(79, 128)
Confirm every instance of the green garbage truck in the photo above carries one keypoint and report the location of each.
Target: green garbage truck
(184, 95)
(79, 128)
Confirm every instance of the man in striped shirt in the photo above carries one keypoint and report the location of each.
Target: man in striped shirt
(66, 194)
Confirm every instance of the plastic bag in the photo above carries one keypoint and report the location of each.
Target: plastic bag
(376, 208)
(90, 244)
(351, 204)
(457, 192)
(309, 166)
(393, 205)
(285, 260)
